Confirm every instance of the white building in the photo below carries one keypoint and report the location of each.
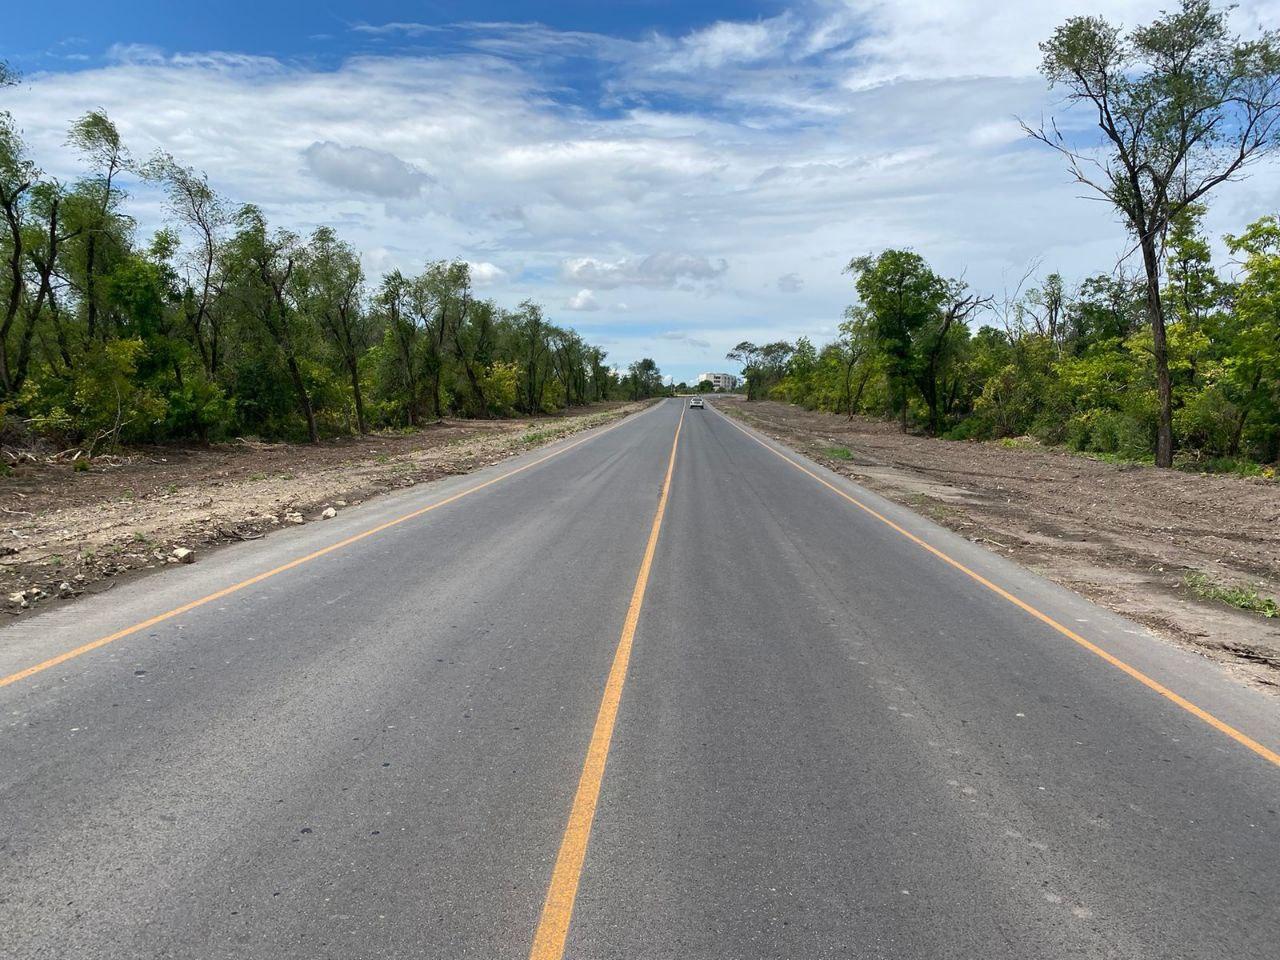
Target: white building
(721, 381)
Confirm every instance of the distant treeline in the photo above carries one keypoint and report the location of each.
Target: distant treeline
(1070, 366)
(221, 325)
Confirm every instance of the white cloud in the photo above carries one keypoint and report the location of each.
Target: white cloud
(362, 170)
(727, 42)
(790, 283)
(486, 274)
(582, 300)
(655, 270)
(402, 28)
(925, 39)
(996, 133)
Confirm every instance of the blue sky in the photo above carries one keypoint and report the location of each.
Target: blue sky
(323, 30)
(670, 178)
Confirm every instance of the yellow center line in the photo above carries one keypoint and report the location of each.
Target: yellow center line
(1191, 708)
(557, 909)
(258, 578)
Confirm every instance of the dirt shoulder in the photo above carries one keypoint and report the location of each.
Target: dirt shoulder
(1131, 538)
(64, 532)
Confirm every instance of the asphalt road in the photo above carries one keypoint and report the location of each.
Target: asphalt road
(831, 741)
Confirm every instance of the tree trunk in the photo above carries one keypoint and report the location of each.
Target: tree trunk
(1160, 350)
(304, 399)
(477, 391)
(857, 397)
(354, 369)
(1238, 431)
(90, 298)
(435, 392)
(16, 286)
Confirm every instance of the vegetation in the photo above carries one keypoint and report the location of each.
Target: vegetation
(1067, 366)
(221, 324)
(1182, 106)
(1246, 598)
(1173, 358)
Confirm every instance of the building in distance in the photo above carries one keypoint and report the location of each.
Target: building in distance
(719, 381)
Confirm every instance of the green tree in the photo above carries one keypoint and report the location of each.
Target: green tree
(261, 264)
(645, 379)
(98, 141)
(1253, 361)
(330, 290)
(17, 176)
(902, 297)
(1182, 106)
(204, 214)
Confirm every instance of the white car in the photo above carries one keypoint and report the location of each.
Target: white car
(695, 403)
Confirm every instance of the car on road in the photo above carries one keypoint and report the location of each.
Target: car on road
(695, 403)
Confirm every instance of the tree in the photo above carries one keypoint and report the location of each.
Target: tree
(935, 350)
(1254, 361)
(1044, 307)
(200, 210)
(17, 175)
(331, 289)
(98, 141)
(436, 296)
(762, 366)
(531, 348)
(1183, 106)
(263, 264)
(901, 295)
(645, 379)
(854, 352)
(600, 378)
(395, 300)
(45, 251)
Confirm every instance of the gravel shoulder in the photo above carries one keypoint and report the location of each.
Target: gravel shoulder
(67, 532)
(1131, 538)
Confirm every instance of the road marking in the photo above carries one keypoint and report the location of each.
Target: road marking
(258, 578)
(557, 909)
(1220, 725)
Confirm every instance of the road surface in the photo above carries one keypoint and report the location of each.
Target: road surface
(598, 702)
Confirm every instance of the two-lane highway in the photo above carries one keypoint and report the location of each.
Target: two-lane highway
(663, 690)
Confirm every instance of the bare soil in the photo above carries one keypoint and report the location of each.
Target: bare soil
(66, 531)
(1125, 536)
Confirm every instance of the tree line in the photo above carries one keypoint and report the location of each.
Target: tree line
(220, 324)
(1068, 365)
(1169, 359)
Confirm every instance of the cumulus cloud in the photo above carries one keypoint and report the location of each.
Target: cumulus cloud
(363, 170)
(654, 270)
(790, 283)
(486, 274)
(582, 300)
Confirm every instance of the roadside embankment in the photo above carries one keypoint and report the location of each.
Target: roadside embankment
(69, 530)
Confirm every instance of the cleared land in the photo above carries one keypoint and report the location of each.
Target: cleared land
(68, 530)
(1161, 547)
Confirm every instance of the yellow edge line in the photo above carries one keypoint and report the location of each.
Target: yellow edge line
(1199, 712)
(258, 578)
(557, 909)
